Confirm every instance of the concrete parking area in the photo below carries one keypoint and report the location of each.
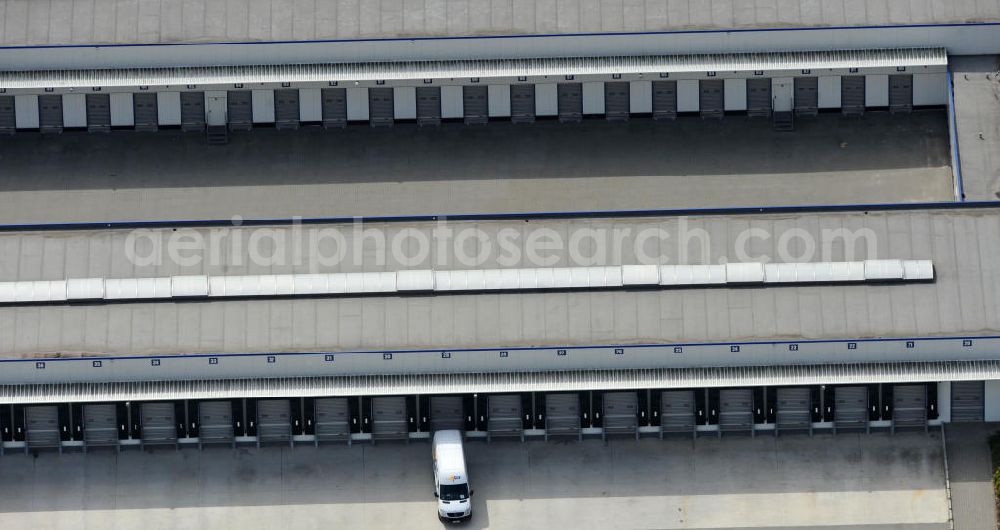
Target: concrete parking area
(846, 481)
(500, 167)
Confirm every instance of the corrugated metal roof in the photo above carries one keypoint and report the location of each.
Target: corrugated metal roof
(499, 382)
(963, 244)
(374, 71)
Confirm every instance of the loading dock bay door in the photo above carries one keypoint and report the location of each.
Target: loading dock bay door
(617, 101)
(900, 93)
(334, 107)
(621, 413)
(145, 111)
(50, 114)
(98, 113)
(794, 410)
(428, 105)
(967, 401)
(806, 96)
(475, 104)
(677, 412)
(100, 425)
(240, 106)
(447, 412)
(711, 98)
(504, 416)
(381, 108)
(216, 421)
(562, 415)
(41, 429)
(735, 410)
(159, 425)
(759, 97)
(274, 421)
(852, 95)
(332, 419)
(286, 108)
(522, 103)
(664, 100)
(909, 406)
(8, 118)
(570, 102)
(850, 408)
(389, 418)
(192, 111)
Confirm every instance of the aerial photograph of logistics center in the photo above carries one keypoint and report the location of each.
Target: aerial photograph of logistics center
(499, 264)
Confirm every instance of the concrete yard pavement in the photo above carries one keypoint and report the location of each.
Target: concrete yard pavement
(847, 481)
(969, 472)
(500, 167)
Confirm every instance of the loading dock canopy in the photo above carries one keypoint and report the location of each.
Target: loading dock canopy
(390, 411)
(792, 63)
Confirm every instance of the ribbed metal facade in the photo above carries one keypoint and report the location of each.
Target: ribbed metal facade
(500, 382)
(487, 68)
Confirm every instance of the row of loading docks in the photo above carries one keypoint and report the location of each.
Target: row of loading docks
(560, 414)
(474, 104)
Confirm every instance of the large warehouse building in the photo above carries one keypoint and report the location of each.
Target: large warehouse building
(833, 306)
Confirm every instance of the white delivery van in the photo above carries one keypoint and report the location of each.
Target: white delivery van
(451, 480)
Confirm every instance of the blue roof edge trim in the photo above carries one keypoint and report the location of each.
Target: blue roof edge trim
(505, 348)
(567, 214)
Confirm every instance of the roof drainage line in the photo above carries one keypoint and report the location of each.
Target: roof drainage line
(493, 216)
(513, 36)
(956, 157)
